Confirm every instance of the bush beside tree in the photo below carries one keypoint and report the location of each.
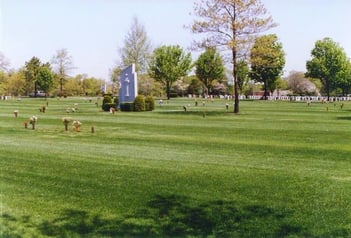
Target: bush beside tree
(149, 103)
(139, 103)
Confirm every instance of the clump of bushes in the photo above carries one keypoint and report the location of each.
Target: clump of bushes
(140, 104)
(108, 102)
(127, 107)
(149, 103)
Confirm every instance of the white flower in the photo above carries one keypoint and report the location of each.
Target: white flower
(76, 123)
(33, 119)
(66, 119)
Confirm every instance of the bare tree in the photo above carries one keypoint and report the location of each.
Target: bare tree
(137, 48)
(63, 64)
(231, 25)
(4, 63)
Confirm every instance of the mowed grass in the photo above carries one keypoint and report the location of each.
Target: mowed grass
(278, 169)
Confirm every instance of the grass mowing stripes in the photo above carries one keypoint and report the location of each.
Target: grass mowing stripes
(278, 169)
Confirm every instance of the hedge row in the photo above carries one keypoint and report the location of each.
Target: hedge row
(140, 104)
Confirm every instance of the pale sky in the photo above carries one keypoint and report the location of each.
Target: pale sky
(93, 30)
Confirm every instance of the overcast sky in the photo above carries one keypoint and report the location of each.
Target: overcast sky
(93, 30)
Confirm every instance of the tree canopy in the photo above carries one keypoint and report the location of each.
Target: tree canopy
(267, 61)
(168, 64)
(231, 24)
(38, 76)
(209, 67)
(63, 64)
(137, 48)
(329, 63)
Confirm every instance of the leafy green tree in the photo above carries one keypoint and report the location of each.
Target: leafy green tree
(92, 86)
(343, 81)
(137, 48)
(209, 67)
(195, 86)
(3, 81)
(243, 75)
(15, 84)
(267, 61)
(45, 78)
(168, 64)
(73, 86)
(63, 64)
(328, 63)
(32, 68)
(231, 24)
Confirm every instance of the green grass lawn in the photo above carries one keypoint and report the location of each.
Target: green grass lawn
(278, 169)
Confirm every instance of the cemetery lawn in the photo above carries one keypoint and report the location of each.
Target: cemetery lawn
(278, 169)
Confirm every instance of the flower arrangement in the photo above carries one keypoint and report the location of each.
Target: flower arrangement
(76, 106)
(76, 125)
(33, 120)
(66, 121)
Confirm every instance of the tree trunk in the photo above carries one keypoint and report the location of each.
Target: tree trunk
(328, 89)
(61, 83)
(168, 89)
(265, 89)
(236, 84)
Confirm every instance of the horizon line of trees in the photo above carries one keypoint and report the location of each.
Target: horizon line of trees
(255, 60)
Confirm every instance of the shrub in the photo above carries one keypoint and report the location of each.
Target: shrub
(106, 107)
(107, 99)
(127, 107)
(115, 100)
(149, 103)
(107, 103)
(139, 103)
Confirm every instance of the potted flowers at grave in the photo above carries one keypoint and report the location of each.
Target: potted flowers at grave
(15, 112)
(76, 125)
(66, 121)
(33, 120)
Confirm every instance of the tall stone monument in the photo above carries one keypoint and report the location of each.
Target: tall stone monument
(129, 85)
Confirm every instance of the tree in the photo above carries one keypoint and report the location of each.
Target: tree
(168, 64)
(209, 67)
(115, 76)
(16, 83)
(32, 69)
(299, 84)
(4, 63)
(63, 65)
(92, 86)
(45, 78)
(328, 63)
(195, 86)
(267, 61)
(231, 24)
(243, 75)
(137, 48)
(343, 81)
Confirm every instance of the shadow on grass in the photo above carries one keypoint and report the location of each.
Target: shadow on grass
(344, 118)
(176, 216)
